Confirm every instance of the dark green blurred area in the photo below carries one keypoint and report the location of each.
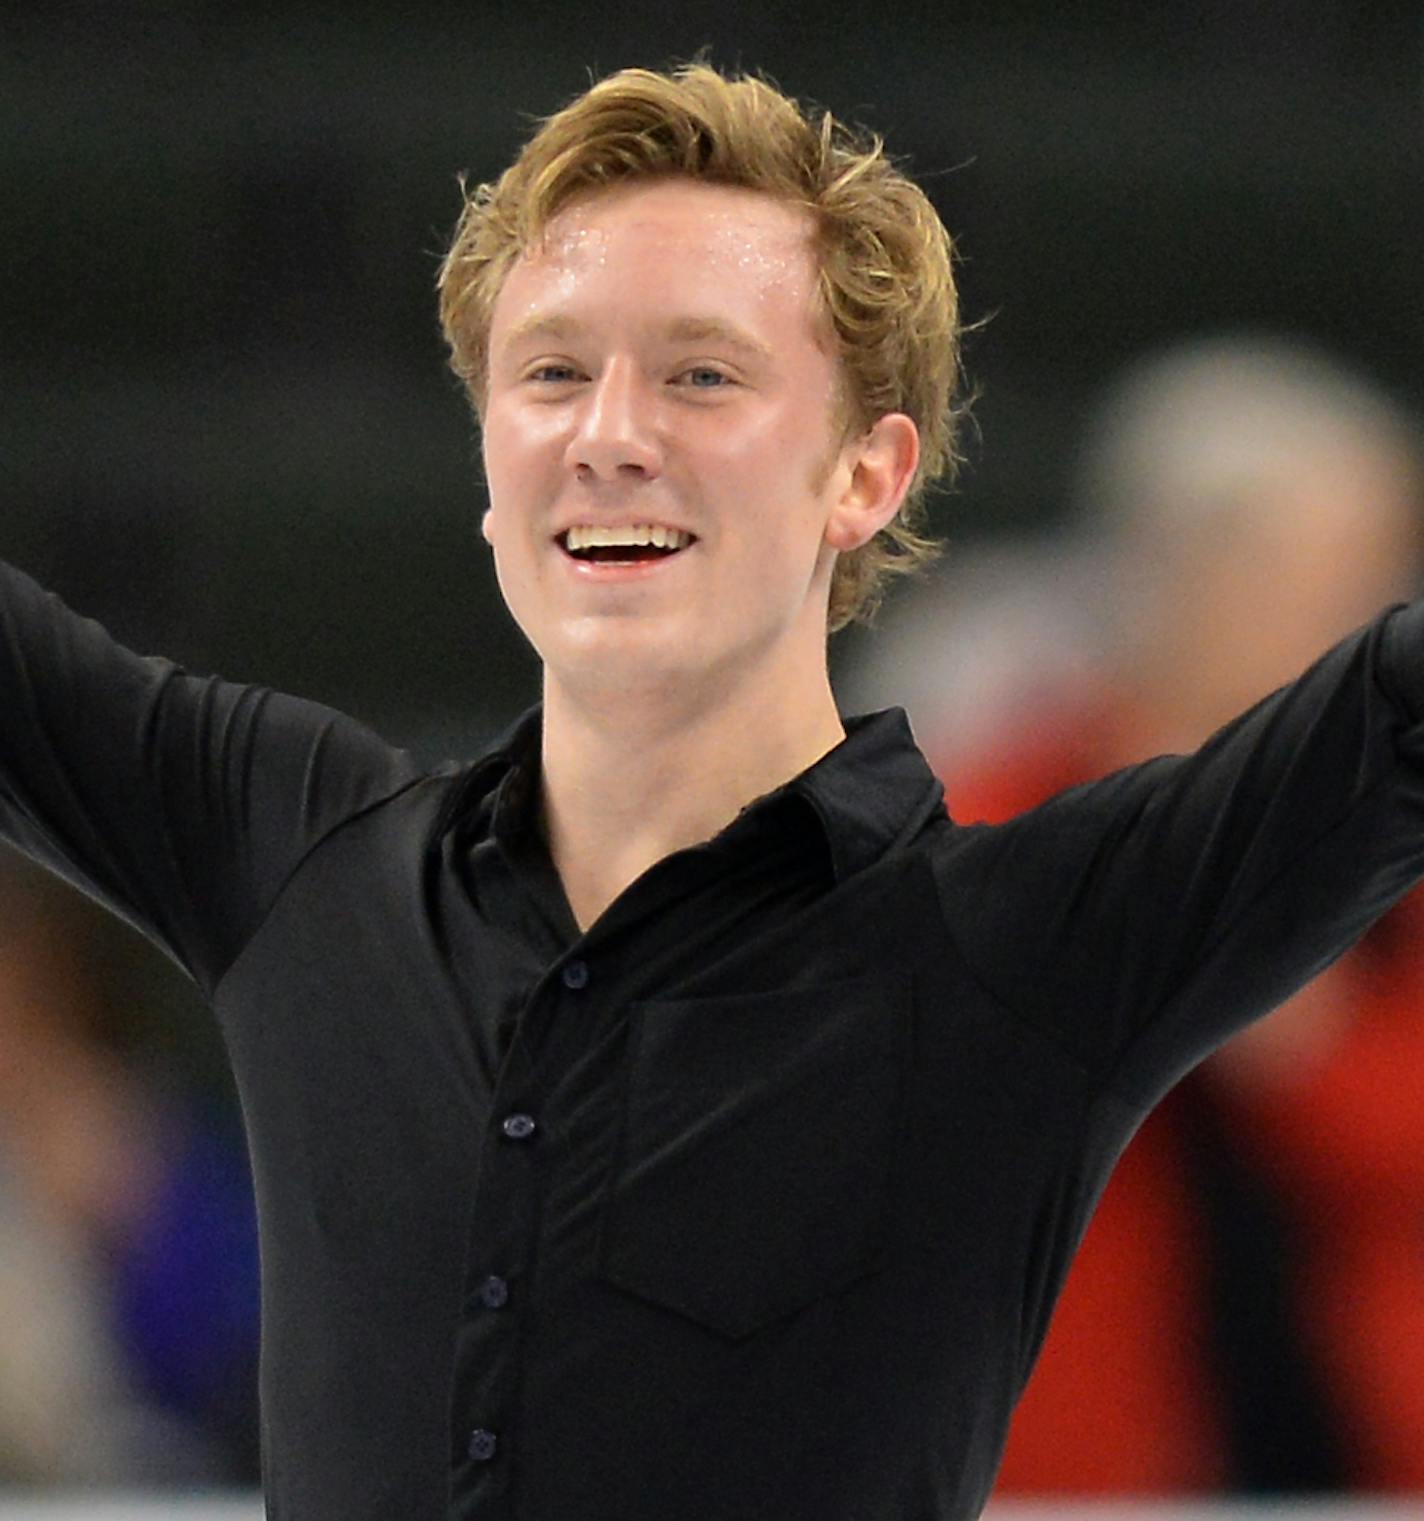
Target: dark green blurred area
(227, 429)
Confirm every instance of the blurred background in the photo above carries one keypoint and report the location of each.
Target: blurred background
(1192, 236)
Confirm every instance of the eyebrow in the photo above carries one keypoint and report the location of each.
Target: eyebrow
(688, 329)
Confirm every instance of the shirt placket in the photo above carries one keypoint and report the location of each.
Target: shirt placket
(501, 1266)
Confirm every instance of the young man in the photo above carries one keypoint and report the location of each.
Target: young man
(672, 1113)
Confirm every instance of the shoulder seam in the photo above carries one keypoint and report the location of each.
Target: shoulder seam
(1032, 1029)
(297, 866)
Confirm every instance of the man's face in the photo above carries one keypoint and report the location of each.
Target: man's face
(661, 360)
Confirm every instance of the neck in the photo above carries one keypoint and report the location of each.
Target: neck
(629, 778)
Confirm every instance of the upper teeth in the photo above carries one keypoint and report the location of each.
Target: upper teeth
(589, 536)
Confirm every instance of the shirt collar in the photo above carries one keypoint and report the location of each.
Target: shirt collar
(871, 793)
(874, 792)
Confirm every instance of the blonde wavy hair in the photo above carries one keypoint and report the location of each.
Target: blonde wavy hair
(885, 258)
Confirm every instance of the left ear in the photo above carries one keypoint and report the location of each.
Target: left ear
(882, 465)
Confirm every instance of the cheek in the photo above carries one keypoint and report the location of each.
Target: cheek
(515, 448)
(514, 494)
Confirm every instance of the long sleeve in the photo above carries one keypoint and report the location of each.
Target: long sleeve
(1139, 920)
(181, 803)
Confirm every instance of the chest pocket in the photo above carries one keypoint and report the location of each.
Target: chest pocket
(759, 1136)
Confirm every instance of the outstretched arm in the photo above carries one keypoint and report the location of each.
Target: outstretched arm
(180, 802)
(1140, 920)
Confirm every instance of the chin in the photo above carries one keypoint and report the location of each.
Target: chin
(636, 661)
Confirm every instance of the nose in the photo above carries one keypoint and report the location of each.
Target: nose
(616, 434)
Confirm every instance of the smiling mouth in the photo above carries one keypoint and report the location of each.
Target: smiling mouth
(619, 554)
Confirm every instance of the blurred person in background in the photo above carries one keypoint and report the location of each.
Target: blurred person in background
(128, 1272)
(1247, 1308)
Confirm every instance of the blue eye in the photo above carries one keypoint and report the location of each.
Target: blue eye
(702, 374)
(555, 373)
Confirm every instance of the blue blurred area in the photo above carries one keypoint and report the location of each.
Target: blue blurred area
(186, 1291)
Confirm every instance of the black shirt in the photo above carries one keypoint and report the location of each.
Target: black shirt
(751, 1203)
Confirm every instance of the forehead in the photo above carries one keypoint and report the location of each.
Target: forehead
(669, 242)
(722, 217)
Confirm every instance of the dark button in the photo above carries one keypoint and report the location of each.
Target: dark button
(519, 1126)
(482, 1444)
(494, 1291)
(576, 975)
